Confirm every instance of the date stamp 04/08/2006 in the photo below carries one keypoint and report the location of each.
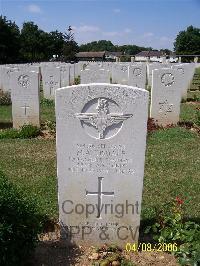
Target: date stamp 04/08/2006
(150, 247)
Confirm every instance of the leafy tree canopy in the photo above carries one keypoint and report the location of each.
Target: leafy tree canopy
(70, 47)
(104, 45)
(34, 45)
(188, 41)
(9, 41)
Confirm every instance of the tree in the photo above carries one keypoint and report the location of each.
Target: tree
(56, 43)
(188, 41)
(70, 47)
(104, 45)
(36, 45)
(166, 52)
(9, 41)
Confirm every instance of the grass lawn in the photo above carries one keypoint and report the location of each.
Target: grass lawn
(6, 114)
(172, 169)
(172, 165)
(47, 112)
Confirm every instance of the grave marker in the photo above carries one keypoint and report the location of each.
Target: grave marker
(137, 76)
(101, 140)
(25, 98)
(165, 96)
(51, 78)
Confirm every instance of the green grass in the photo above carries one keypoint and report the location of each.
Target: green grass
(6, 114)
(31, 164)
(188, 112)
(47, 112)
(193, 94)
(195, 85)
(172, 169)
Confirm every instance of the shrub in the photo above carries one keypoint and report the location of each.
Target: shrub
(77, 80)
(196, 98)
(183, 100)
(29, 131)
(9, 133)
(26, 131)
(171, 228)
(47, 102)
(20, 223)
(50, 126)
(198, 116)
(5, 98)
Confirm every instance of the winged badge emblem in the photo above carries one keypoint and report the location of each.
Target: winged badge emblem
(103, 118)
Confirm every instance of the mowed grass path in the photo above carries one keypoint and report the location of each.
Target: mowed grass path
(172, 167)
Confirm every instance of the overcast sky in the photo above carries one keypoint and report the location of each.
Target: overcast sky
(152, 23)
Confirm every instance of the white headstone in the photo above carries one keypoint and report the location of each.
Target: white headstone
(153, 66)
(64, 75)
(101, 140)
(165, 96)
(72, 73)
(51, 81)
(6, 75)
(122, 74)
(132, 59)
(25, 98)
(137, 76)
(183, 71)
(114, 72)
(95, 75)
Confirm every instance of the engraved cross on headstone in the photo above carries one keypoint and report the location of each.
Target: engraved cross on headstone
(52, 84)
(25, 108)
(99, 193)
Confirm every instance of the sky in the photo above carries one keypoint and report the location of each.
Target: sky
(154, 23)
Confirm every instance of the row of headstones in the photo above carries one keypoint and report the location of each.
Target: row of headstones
(115, 73)
(56, 75)
(23, 83)
(132, 74)
(166, 94)
(53, 75)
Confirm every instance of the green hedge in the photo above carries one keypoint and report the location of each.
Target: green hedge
(19, 224)
(26, 131)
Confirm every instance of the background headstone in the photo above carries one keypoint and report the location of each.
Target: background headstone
(95, 75)
(25, 98)
(51, 78)
(165, 96)
(137, 76)
(64, 75)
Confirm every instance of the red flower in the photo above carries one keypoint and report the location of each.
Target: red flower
(179, 201)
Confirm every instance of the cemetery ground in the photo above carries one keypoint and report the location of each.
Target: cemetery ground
(171, 170)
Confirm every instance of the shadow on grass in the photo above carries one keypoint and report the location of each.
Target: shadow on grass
(55, 253)
(4, 125)
(54, 249)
